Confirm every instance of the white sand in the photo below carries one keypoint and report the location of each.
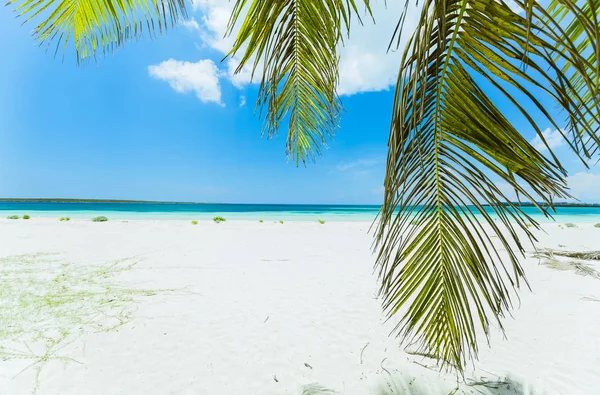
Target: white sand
(294, 302)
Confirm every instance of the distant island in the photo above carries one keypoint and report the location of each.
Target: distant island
(62, 200)
(57, 200)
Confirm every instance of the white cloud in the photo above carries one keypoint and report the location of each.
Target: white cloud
(585, 186)
(191, 24)
(242, 101)
(244, 77)
(215, 18)
(553, 138)
(365, 64)
(201, 77)
(213, 29)
(360, 163)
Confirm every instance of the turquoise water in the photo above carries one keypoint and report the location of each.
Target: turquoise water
(239, 211)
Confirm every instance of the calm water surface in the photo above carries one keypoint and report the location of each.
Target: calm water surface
(239, 211)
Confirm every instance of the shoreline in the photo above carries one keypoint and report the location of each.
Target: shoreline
(249, 217)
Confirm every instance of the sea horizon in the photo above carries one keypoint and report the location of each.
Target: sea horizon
(165, 210)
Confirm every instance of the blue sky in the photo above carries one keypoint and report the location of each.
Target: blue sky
(163, 119)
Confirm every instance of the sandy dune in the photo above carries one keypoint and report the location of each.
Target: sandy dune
(248, 308)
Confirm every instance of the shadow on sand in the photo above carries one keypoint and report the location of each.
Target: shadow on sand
(499, 386)
(399, 385)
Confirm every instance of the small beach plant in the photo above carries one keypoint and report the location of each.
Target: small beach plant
(280, 221)
(26, 216)
(13, 217)
(219, 219)
(570, 225)
(260, 220)
(321, 221)
(194, 222)
(597, 225)
(101, 218)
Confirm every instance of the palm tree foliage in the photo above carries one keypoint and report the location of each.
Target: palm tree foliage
(447, 137)
(98, 25)
(298, 42)
(439, 258)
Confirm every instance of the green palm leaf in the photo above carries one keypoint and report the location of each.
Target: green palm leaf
(98, 25)
(298, 42)
(579, 42)
(448, 137)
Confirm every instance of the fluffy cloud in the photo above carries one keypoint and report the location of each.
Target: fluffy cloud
(585, 186)
(201, 77)
(215, 18)
(553, 138)
(365, 64)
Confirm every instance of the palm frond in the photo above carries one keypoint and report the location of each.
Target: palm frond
(575, 31)
(98, 25)
(297, 41)
(449, 141)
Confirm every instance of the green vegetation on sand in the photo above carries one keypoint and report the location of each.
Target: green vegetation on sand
(13, 217)
(26, 216)
(194, 222)
(100, 219)
(218, 219)
(51, 302)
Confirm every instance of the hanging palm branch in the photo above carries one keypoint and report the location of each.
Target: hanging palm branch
(448, 138)
(297, 43)
(98, 25)
(577, 36)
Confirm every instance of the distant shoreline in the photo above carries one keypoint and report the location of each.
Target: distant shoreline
(57, 200)
(66, 200)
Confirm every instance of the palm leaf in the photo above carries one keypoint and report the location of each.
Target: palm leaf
(580, 37)
(448, 142)
(298, 42)
(98, 25)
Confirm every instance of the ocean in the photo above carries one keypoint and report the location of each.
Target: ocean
(200, 211)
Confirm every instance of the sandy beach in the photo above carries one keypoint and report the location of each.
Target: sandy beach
(242, 307)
